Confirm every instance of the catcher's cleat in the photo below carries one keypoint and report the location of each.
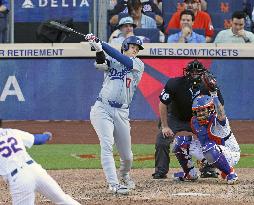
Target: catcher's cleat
(118, 189)
(158, 175)
(128, 182)
(182, 176)
(232, 178)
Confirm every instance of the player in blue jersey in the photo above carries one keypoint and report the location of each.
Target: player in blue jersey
(110, 113)
(216, 143)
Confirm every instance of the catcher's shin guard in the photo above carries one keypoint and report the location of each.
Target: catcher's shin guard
(215, 157)
(181, 149)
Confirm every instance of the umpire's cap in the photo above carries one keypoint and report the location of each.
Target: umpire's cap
(131, 40)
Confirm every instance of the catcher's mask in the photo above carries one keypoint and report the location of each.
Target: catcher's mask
(194, 71)
(203, 108)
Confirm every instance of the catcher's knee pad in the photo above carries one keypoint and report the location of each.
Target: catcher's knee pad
(181, 142)
(211, 152)
(214, 155)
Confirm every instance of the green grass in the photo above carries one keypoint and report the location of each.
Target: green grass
(66, 156)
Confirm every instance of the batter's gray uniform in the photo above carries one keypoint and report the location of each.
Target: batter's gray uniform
(110, 115)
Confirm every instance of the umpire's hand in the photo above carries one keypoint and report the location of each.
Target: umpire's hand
(167, 132)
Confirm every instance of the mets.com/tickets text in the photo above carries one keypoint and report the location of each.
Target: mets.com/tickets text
(211, 52)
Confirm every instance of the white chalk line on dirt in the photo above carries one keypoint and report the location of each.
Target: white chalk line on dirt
(190, 194)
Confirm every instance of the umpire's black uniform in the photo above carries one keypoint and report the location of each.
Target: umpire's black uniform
(178, 94)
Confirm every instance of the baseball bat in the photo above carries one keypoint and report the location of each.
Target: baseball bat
(61, 27)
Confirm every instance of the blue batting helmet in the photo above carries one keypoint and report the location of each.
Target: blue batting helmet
(202, 108)
(131, 40)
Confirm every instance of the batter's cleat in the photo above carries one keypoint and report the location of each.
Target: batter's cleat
(128, 182)
(158, 175)
(118, 189)
(232, 178)
(182, 176)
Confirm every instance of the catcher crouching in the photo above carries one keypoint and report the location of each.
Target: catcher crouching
(216, 144)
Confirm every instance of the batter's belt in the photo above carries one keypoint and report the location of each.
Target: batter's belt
(113, 103)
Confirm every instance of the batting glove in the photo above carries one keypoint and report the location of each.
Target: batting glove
(97, 46)
(90, 37)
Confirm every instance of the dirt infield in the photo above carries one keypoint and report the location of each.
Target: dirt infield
(88, 187)
(143, 132)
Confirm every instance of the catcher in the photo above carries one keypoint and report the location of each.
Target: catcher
(216, 143)
(175, 109)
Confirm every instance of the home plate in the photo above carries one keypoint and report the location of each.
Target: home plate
(190, 194)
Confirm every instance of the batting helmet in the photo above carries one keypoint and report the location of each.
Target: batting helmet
(202, 108)
(131, 40)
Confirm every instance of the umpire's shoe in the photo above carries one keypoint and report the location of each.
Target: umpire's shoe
(118, 189)
(158, 175)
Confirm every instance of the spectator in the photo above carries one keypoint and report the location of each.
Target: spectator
(4, 10)
(202, 19)
(125, 29)
(141, 20)
(236, 34)
(112, 4)
(186, 35)
(248, 9)
(203, 5)
(148, 6)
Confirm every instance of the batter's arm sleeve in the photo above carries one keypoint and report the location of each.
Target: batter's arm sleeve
(123, 59)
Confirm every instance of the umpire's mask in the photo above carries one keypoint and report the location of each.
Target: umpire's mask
(194, 71)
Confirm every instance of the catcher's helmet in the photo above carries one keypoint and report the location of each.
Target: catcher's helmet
(131, 40)
(202, 108)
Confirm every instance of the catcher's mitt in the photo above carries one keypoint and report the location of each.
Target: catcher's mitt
(209, 81)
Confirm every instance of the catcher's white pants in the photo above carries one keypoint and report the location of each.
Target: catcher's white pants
(32, 178)
(231, 150)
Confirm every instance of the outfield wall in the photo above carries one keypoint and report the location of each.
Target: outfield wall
(59, 81)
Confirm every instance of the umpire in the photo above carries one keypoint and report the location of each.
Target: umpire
(175, 110)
